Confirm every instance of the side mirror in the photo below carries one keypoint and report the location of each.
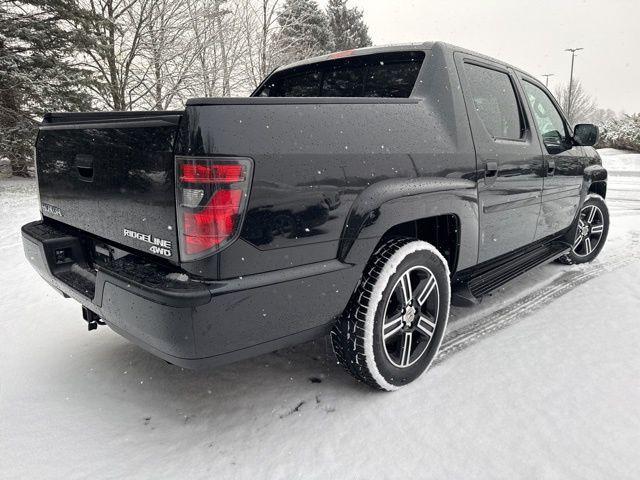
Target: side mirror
(586, 134)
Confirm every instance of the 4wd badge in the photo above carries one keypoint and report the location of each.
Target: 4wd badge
(158, 245)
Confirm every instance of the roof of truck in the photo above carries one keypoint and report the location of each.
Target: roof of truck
(401, 47)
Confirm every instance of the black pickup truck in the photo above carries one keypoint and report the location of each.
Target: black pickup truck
(355, 194)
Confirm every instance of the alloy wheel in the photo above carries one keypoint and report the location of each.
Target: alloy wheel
(589, 231)
(410, 317)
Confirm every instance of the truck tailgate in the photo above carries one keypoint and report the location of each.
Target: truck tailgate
(112, 175)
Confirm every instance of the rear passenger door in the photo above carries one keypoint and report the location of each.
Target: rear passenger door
(508, 153)
(564, 161)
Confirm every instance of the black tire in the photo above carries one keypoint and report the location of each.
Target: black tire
(591, 231)
(383, 339)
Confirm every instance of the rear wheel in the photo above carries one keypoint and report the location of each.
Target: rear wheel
(591, 231)
(394, 324)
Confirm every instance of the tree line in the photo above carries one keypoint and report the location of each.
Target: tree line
(617, 130)
(79, 55)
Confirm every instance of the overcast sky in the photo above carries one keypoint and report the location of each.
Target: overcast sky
(531, 35)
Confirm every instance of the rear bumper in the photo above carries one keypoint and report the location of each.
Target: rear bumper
(195, 324)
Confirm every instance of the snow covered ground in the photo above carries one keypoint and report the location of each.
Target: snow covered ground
(621, 162)
(542, 380)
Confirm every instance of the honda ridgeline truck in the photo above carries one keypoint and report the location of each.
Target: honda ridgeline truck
(354, 194)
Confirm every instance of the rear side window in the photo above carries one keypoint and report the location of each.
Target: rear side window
(494, 99)
(383, 75)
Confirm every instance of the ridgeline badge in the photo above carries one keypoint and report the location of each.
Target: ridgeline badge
(158, 245)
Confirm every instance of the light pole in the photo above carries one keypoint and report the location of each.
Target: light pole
(573, 56)
(546, 78)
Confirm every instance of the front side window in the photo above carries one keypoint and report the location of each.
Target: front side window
(495, 101)
(546, 115)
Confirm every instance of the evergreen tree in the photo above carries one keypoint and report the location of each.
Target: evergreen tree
(347, 26)
(36, 75)
(304, 30)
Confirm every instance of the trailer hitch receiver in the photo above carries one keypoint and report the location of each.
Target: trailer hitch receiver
(92, 318)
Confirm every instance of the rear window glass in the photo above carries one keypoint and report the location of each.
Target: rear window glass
(304, 84)
(385, 75)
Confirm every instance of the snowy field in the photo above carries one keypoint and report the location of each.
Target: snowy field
(542, 380)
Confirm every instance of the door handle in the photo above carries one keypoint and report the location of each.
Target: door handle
(84, 165)
(490, 172)
(551, 168)
(86, 173)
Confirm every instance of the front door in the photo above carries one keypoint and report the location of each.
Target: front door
(564, 161)
(508, 153)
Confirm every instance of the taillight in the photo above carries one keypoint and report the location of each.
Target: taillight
(213, 173)
(211, 197)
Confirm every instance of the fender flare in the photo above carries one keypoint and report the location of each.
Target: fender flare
(593, 174)
(392, 202)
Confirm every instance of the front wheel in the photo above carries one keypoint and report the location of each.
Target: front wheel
(396, 319)
(591, 231)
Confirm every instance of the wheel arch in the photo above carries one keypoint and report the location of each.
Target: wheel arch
(595, 181)
(441, 231)
(441, 211)
(599, 188)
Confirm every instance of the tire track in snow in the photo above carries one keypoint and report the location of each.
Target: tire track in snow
(495, 321)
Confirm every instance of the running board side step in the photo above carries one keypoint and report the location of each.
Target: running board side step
(468, 290)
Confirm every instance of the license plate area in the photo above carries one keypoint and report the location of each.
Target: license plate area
(104, 253)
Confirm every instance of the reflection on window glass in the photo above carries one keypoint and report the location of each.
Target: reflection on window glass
(391, 75)
(546, 115)
(345, 81)
(306, 84)
(391, 79)
(495, 101)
